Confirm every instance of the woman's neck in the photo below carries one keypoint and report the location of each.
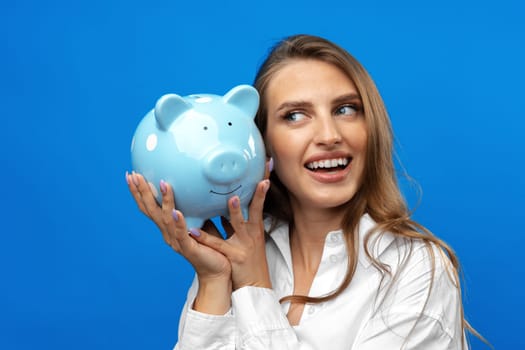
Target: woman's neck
(309, 232)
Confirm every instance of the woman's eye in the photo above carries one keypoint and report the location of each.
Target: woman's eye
(346, 110)
(294, 116)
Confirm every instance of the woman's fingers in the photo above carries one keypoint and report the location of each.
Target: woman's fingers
(236, 217)
(173, 227)
(180, 232)
(257, 205)
(175, 230)
(208, 251)
(168, 222)
(132, 185)
(252, 225)
(168, 204)
(152, 209)
(269, 168)
(216, 243)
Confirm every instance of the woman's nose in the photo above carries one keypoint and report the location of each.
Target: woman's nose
(327, 132)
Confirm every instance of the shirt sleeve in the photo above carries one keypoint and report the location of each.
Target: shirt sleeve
(202, 331)
(261, 323)
(420, 310)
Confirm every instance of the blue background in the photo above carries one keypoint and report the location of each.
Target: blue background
(81, 268)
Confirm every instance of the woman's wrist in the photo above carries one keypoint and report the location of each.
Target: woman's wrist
(213, 296)
(262, 282)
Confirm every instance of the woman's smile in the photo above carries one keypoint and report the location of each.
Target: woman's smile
(329, 168)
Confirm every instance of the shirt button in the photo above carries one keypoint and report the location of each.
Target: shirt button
(333, 258)
(335, 238)
(311, 310)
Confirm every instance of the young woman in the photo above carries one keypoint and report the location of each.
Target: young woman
(328, 257)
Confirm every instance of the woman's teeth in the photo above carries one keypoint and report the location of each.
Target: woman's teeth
(328, 163)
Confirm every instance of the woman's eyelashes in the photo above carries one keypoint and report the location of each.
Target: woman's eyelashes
(347, 109)
(350, 109)
(294, 116)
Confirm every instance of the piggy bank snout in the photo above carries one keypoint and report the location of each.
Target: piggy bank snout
(225, 166)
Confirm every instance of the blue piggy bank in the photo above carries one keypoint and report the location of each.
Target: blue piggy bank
(207, 147)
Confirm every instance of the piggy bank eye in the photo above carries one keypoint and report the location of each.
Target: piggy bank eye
(205, 128)
(230, 123)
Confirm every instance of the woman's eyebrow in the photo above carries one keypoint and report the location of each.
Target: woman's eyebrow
(294, 105)
(289, 105)
(347, 98)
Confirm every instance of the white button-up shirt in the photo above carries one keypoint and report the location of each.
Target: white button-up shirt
(415, 310)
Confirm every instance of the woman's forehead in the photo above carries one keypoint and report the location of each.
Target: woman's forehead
(308, 80)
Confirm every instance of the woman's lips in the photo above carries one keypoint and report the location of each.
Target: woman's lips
(330, 174)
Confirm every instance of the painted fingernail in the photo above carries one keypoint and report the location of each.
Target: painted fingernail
(194, 232)
(163, 188)
(127, 178)
(135, 178)
(270, 165)
(235, 202)
(175, 215)
(266, 186)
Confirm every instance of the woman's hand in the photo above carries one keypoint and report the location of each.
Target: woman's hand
(207, 262)
(213, 268)
(245, 248)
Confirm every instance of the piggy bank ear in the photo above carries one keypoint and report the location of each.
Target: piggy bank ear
(168, 108)
(244, 97)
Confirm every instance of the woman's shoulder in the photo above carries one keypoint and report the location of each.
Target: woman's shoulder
(398, 251)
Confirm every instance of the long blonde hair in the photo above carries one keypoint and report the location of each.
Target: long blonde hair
(379, 195)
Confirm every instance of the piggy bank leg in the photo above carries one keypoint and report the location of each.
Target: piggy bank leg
(217, 222)
(192, 222)
(245, 213)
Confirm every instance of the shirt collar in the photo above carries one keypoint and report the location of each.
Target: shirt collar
(377, 243)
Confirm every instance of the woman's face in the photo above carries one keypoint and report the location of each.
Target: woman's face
(316, 133)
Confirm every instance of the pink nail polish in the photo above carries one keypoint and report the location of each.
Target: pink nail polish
(175, 215)
(266, 186)
(194, 232)
(235, 202)
(127, 178)
(134, 178)
(270, 165)
(163, 188)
